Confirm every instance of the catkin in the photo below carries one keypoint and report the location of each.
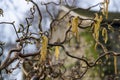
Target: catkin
(43, 52)
(75, 25)
(57, 52)
(74, 29)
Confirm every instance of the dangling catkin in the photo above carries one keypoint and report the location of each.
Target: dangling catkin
(115, 64)
(74, 28)
(75, 25)
(105, 8)
(105, 35)
(96, 25)
(43, 52)
(57, 52)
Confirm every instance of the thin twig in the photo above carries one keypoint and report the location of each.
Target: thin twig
(40, 15)
(12, 23)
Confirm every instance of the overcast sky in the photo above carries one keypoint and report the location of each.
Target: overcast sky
(113, 6)
(14, 10)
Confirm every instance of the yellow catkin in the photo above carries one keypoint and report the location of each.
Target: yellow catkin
(75, 25)
(110, 28)
(43, 52)
(107, 2)
(105, 8)
(57, 52)
(105, 35)
(74, 28)
(96, 46)
(115, 64)
(98, 19)
(103, 32)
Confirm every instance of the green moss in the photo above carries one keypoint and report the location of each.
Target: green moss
(90, 49)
